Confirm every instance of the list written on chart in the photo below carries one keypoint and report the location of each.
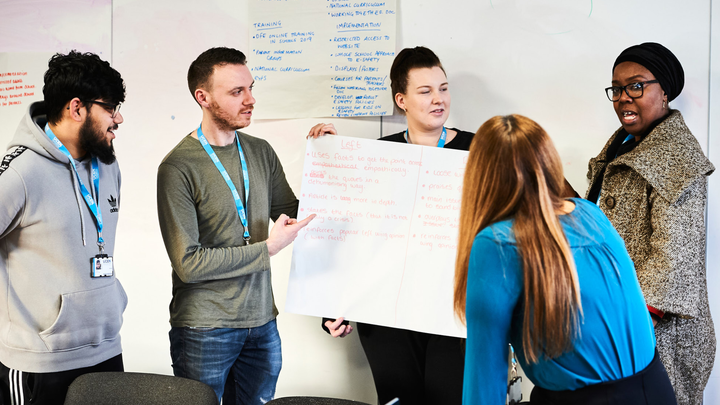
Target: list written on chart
(13, 89)
(322, 58)
(385, 236)
(21, 83)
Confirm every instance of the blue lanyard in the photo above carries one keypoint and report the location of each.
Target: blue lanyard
(627, 139)
(94, 174)
(238, 201)
(441, 141)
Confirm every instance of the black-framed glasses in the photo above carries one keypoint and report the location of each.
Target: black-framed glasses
(113, 109)
(633, 90)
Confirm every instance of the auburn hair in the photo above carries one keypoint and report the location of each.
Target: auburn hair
(514, 171)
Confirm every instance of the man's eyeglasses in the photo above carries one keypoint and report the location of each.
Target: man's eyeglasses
(113, 109)
(633, 90)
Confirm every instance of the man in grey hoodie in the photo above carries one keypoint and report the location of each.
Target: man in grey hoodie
(59, 201)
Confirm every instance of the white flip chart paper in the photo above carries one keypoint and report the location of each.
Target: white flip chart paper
(382, 247)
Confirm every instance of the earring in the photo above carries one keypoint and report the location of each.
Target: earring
(664, 103)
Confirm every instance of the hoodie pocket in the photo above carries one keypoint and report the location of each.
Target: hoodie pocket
(87, 318)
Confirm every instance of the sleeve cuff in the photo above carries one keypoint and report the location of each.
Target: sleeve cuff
(654, 311)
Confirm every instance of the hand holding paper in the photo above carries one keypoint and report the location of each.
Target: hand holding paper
(321, 129)
(337, 329)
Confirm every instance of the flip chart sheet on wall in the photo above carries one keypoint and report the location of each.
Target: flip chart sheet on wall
(21, 83)
(382, 247)
(322, 58)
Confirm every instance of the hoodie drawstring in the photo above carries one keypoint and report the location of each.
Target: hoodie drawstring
(80, 201)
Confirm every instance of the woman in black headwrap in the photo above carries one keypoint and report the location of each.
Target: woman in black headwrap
(650, 179)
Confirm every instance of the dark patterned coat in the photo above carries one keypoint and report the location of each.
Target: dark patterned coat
(655, 196)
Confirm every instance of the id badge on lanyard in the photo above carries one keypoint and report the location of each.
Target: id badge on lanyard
(101, 265)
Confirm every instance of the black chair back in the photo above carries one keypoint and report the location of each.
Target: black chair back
(313, 401)
(119, 388)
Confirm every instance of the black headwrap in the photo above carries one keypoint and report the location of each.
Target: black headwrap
(660, 62)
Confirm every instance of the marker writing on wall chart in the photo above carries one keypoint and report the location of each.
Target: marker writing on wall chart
(357, 60)
(13, 88)
(339, 51)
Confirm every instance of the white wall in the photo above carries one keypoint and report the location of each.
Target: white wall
(547, 59)
(712, 392)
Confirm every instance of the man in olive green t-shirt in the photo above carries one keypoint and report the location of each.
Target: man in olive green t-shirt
(217, 190)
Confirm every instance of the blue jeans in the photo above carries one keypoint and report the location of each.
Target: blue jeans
(241, 365)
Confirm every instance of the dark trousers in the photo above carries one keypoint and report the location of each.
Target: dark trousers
(419, 368)
(650, 386)
(19, 387)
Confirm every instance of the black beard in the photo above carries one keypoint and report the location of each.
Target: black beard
(94, 143)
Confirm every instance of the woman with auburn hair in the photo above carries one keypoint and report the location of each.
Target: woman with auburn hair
(417, 367)
(552, 277)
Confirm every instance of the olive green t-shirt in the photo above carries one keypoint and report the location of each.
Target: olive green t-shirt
(217, 280)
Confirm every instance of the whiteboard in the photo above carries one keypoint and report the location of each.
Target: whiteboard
(712, 392)
(546, 59)
(550, 60)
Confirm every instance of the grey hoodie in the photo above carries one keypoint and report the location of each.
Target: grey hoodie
(54, 316)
